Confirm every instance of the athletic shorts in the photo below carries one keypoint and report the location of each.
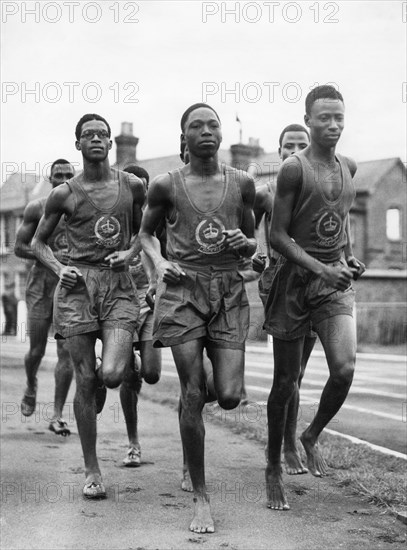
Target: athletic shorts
(298, 297)
(39, 295)
(101, 299)
(266, 278)
(210, 304)
(144, 330)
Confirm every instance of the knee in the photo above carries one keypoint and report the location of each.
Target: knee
(112, 379)
(151, 377)
(36, 353)
(85, 383)
(343, 373)
(284, 387)
(228, 399)
(193, 399)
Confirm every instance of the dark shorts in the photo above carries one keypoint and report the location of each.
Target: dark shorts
(39, 295)
(266, 278)
(298, 297)
(144, 330)
(101, 299)
(210, 304)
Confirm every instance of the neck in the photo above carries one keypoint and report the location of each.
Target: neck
(205, 167)
(327, 154)
(96, 171)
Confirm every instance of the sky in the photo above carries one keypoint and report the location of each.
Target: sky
(146, 62)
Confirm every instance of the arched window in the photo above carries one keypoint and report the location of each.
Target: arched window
(393, 224)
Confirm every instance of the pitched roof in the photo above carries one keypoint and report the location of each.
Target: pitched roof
(370, 173)
(17, 191)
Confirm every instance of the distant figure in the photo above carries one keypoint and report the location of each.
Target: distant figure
(10, 302)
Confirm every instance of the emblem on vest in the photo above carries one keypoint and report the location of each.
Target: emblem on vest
(107, 231)
(60, 241)
(209, 235)
(328, 228)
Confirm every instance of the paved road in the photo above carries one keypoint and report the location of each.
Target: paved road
(42, 477)
(374, 411)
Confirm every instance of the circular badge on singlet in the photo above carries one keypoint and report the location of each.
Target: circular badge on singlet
(107, 231)
(209, 235)
(329, 228)
(60, 241)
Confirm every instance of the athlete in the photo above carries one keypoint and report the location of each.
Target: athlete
(41, 283)
(148, 367)
(201, 301)
(293, 138)
(312, 282)
(95, 296)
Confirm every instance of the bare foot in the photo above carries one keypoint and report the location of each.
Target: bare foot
(316, 464)
(202, 521)
(293, 463)
(186, 483)
(276, 499)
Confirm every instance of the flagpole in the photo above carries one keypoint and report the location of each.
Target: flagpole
(240, 128)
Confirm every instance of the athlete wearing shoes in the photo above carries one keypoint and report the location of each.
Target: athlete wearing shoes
(312, 282)
(147, 365)
(201, 300)
(293, 139)
(95, 296)
(40, 289)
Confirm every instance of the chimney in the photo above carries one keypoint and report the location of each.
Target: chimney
(244, 154)
(126, 145)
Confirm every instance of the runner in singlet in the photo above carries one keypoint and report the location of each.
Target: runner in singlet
(312, 282)
(41, 283)
(95, 296)
(201, 299)
(145, 360)
(293, 138)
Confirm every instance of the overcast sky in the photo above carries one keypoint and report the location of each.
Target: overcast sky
(145, 62)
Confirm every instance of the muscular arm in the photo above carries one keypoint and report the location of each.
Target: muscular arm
(263, 203)
(242, 239)
(26, 231)
(158, 203)
(55, 207)
(288, 185)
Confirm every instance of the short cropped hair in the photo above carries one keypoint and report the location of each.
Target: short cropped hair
(292, 128)
(87, 118)
(325, 91)
(137, 171)
(59, 161)
(193, 107)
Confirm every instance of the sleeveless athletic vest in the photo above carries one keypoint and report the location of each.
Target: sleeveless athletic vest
(92, 231)
(318, 224)
(194, 236)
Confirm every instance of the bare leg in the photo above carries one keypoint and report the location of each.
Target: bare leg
(63, 377)
(82, 352)
(338, 336)
(188, 358)
(150, 362)
(186, 483)
(287, 360)
(38, 334)
(293, 463)
(129, 402)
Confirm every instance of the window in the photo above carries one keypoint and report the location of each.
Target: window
(393, 224)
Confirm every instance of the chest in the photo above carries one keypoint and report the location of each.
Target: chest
(205, 195)
(330, 180)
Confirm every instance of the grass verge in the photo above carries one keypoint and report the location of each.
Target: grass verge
(379, 479)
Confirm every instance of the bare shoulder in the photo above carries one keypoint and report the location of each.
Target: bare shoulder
(58, 198)
(34, 210)
(289, 175)
(161, 184)
(351, 165)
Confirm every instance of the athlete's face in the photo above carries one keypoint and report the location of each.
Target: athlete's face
(94, 141)
(203, 133)
(61, 173)
(326, 121)
(292, 142)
